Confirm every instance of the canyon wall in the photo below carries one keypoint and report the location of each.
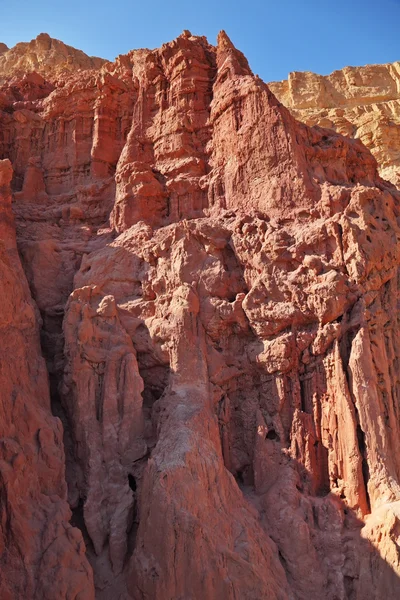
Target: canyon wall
(41, 555)
(359, 102)
(216, 288)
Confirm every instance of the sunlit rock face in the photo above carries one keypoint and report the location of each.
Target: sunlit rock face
(215, 289)
(359, 102)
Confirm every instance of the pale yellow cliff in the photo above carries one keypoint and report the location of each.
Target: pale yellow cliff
(44, 55)
(360, 102)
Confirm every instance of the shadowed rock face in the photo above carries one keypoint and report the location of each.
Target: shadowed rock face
(216, 289)
(42, 556)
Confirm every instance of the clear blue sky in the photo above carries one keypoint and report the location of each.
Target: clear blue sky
(276, 36)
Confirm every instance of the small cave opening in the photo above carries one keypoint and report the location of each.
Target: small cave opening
(132, 482)
(272, 435)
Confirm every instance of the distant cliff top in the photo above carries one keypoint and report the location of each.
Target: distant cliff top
(46, 56)
(360, 102)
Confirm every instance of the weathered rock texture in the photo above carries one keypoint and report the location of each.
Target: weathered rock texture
(217, 286)
(46, 56)
(359, 102)
(41, 555)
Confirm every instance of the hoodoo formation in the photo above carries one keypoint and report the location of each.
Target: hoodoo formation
(200, 338)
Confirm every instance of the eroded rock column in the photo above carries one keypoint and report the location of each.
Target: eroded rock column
(102, 397)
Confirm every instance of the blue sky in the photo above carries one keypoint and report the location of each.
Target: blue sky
(276, 36)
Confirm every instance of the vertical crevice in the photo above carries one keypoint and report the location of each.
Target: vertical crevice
(345, 351)
(322, 457)
(306, 403)
(302, 396)
(365, 467)
(132, 482)
(78, 521)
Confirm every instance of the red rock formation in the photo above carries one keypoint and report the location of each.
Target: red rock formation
(41, 555)
(102, 393)
(226, 372)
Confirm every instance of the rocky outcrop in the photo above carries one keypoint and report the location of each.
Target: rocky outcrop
(298, 429)
(41, 555)
(217, 285)
(103, 397)
(360, 102)
(46, 56)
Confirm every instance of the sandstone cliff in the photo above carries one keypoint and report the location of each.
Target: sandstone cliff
(216, 289)
(45, 56)
(360, 102)
(36, 540)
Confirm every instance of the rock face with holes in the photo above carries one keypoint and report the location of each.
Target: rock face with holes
(360, 102)
(217, 288)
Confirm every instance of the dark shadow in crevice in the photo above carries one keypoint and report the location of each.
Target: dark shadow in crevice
(78, 521)
(272, 435)
(132, 482)
(364, 466)
(245, 476)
